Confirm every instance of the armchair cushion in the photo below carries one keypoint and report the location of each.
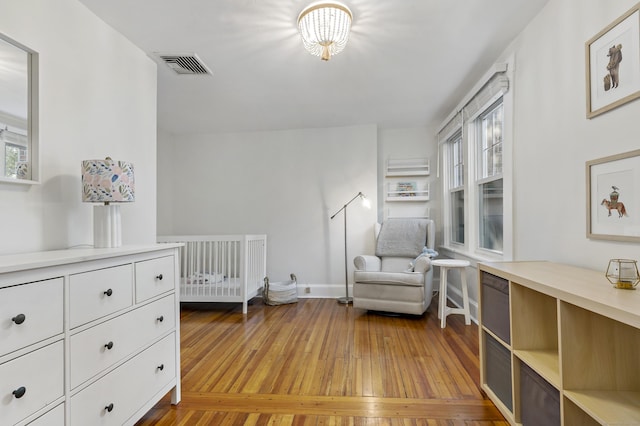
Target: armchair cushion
(413, 279)
(396, 264)
(402, 237)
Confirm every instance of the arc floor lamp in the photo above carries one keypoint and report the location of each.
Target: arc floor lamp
(365, 202)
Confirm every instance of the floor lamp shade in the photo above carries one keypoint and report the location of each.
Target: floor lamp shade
(107, 181)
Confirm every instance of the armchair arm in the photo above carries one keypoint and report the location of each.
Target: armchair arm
(422, 264)
(367, 263)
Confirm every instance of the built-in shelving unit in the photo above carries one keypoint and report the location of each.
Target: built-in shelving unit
(571, 345)
(536, 345)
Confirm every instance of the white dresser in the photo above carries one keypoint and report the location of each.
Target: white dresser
(88, 336)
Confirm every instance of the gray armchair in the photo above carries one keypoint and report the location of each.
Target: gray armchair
(398, 278)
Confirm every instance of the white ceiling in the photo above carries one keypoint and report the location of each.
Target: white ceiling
(407, 62)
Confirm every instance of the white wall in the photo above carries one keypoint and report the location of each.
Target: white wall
(165, 180)
(553, 139)
(413, 142)
(97, 99)
(283, 183)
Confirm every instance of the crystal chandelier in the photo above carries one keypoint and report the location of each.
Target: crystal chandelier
(324, 28)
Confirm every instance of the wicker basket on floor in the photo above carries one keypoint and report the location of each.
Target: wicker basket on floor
(280, 293)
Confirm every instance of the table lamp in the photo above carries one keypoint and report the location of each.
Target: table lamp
(109, 182)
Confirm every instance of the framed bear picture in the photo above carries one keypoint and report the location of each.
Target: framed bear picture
(613, 64)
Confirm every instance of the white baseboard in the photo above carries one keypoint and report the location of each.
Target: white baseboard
(333, 291)
(322, 291)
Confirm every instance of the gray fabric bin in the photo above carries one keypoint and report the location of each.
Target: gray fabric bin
(495, 305)
(498, 370)
(539, 400)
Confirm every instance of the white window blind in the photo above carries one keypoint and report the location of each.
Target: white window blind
(495, 86)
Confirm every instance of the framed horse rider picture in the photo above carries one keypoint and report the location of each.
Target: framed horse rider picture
(613, 197)
(613, 64)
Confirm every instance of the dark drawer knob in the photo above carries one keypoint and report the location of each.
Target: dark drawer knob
(19, 319)
(109, 292)
(159, 277)
(160, 318)
(161, 367)
(19, 393)
(109, 345)
(109, 407)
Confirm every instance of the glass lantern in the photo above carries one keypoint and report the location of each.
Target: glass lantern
(623, 273)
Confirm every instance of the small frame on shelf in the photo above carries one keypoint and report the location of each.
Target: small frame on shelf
(408, 167)
(407, 191)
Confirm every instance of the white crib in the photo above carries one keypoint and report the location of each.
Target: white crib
(221, 268)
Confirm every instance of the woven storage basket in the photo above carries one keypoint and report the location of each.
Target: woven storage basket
(280, 293)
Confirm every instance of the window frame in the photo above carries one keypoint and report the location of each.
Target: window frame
(456, 183)
(483, 177)
(21, 156)
(469, 128)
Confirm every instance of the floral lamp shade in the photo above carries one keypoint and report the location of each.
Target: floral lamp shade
(107, 181)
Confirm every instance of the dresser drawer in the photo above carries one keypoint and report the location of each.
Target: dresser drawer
(98, 293)
(30, 313)
(99, 347)
(54, 417)
(31, 382)
(154, 277)
(117, 396)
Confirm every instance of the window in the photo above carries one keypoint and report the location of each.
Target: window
(13, 154)
(489, 182)
(476, 171)
(456, 188)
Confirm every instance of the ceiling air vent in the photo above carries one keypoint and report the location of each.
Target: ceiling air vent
(185, 64)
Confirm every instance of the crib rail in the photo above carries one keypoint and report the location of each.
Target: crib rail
(220, 268)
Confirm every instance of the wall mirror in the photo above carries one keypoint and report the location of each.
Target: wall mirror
(18, 113)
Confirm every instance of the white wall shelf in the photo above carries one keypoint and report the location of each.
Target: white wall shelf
(408, 167)
(407, 191)
(407, 188)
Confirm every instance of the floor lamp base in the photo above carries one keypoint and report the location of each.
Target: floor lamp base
(345, 300)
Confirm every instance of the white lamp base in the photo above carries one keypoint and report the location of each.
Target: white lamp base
(107, 227)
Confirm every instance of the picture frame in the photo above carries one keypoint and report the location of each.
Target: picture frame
(613, 64)
(613, 197)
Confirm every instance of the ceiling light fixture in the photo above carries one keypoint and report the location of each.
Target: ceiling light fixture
(324, 28)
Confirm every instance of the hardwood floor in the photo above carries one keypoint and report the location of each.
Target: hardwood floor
(317, 362)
